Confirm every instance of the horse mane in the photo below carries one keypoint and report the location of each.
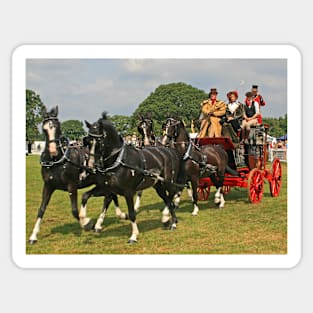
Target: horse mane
(184, 128)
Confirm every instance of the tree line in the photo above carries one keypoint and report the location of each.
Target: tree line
(176, 99)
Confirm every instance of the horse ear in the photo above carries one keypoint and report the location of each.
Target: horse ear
(54, 112)
(104, 115)
(87, 124)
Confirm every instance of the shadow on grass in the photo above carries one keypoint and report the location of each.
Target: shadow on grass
(112, 227)
(69, 228)
(144, 226)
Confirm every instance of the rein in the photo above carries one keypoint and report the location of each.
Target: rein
(204, 166)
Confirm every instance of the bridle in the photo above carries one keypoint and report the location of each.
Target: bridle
(99, 139)
(58, 141)
(146, 123)
(171, 122)
(59, 145)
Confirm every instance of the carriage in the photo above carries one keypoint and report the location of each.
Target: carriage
(253, 173)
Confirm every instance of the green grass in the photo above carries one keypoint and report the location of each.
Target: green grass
(239, 228)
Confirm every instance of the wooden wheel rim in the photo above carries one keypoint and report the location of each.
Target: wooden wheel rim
(203, 193)
(255, 186)
(276, 181)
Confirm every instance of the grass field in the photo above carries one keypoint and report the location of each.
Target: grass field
(239, 228)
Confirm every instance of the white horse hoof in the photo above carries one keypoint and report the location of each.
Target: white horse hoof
(217, 200)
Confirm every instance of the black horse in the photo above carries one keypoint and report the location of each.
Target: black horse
(205, 161)
(63, 167)
(125, 169)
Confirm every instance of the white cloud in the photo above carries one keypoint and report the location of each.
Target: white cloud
(32, 77)
(85, 88)
(100, 85)
(134, 65)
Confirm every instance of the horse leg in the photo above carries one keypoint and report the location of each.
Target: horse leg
(190, 191)
(194, 185)
(72, 192)
(107, 200)
(169, 206)
(176, 198)
(46, 195)
(118, 212)
(138, 198)
(217, 196)
(85, 222)
(172, 208)
(221, 183)
(132, 217)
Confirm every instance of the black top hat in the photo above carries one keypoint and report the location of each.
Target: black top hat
(213, 90)
(255, 86)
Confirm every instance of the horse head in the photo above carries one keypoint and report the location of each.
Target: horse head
(171, 129)
(52, 130)
(102, 140)
(145, 128)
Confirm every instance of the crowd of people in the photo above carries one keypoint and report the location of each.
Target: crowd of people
(230, 119)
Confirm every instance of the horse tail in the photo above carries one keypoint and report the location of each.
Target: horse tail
(229, 170)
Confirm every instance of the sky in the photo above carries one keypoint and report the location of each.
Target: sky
(84, 88)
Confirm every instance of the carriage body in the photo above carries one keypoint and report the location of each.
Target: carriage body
(253, 174)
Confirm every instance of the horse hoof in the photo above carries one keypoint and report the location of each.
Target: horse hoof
(173, 227)
(32, 242)
(126, 216)
(89, 226)
(131, 241)
(98, 230)
(194, 214)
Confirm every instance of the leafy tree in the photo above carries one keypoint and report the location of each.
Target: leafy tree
(123, 124)
(72, 129)
(178, 99)
(34, 107)
(277, 126)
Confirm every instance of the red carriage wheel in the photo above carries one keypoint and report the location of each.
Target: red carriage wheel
(276, 179)
(203, 193)
(255, 185)
(226, 190)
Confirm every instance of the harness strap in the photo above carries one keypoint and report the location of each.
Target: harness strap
(145, 172)
(117, 162)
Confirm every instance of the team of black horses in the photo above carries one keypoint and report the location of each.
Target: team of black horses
(114, 168)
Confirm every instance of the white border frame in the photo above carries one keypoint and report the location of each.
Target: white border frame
(24, 52)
